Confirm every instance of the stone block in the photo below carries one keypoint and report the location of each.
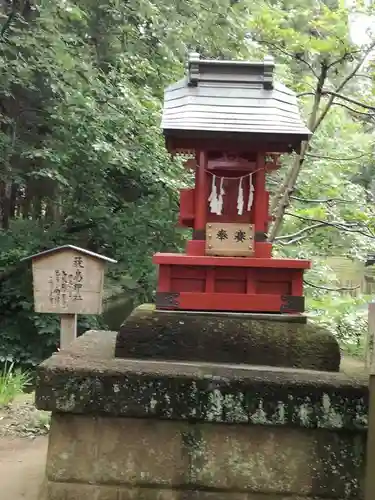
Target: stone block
(114, 451)
(146, 430)
(274, 461)
(66, 491)
(248, 459)
(76, 491)
(85, 378)
(132, 453)
(72, 449)
(139, 451)
(255, 339)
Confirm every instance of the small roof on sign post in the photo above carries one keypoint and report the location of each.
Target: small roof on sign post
(55, 250)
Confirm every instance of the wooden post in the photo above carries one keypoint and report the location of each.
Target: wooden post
(68, 331)
(370, 447)
(370, 339)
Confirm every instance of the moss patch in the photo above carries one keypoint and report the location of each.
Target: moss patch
(87, 379)
(151, 334)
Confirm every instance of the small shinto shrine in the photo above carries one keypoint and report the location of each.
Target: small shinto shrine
(223, 389)
(234, 121)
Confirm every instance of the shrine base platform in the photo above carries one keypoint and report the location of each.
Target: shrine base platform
(255, 339)
(131, 429)
(242, 284)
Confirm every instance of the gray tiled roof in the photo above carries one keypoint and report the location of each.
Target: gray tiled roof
(234, 97)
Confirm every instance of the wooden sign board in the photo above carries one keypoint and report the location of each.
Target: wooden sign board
(229, 239)
(68, 280)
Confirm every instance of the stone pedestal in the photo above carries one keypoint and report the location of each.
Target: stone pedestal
(256, 339)
(153, 430)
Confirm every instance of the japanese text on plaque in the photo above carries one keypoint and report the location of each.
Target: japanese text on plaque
(66, 287)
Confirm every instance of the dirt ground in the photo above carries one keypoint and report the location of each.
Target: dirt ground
(22, 463)
(23, 449)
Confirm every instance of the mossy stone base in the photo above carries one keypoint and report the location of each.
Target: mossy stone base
(227, 338)
(86, 378)
(127, 429)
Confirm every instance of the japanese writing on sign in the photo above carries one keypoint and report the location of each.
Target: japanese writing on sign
(239, 236)
(66, 287)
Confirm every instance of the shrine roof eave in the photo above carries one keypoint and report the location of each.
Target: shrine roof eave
(238, 141)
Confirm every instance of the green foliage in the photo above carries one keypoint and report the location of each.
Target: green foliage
(13, 382)
(345, 316)
(331, 208)
(329, 198)
(83, 160)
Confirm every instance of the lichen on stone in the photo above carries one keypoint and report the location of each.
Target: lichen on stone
(95, 382)
(193, 336)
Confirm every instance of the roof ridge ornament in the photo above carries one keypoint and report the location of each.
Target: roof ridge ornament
(269, 65)
(216, 70)
(193, 68)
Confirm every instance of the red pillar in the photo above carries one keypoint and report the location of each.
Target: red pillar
(260, 219)
(200, 197)
(260, 196)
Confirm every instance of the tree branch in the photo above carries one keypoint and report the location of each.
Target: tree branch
(294, 240)
(325, 222)
(352, 110)
(342, 85)
(356, 68)
(301, 234)
(302, 231)
(344, 57)
(289, 54)
(343, 226)
(6, 26)
(322, 157)
(341, 289)
(349, 99)
(328, 200)
(363, 75)
(303, 94)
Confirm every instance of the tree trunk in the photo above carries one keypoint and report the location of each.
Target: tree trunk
(5, 196)
(13, 201)
(281, 200)
(26, 203)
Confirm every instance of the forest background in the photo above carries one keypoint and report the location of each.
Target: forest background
(83, 158)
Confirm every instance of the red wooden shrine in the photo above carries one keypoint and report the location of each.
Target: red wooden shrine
(234, 121)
